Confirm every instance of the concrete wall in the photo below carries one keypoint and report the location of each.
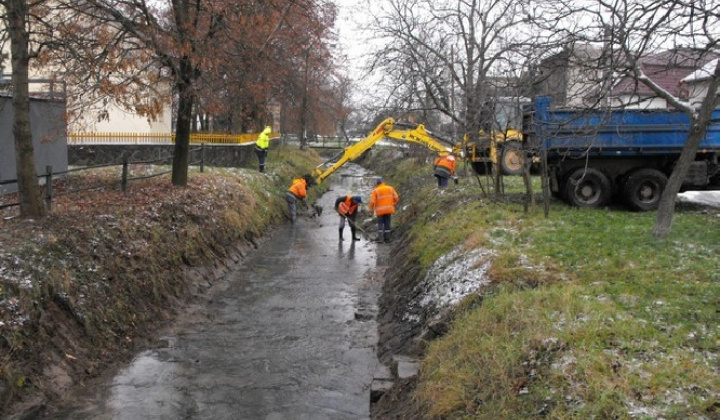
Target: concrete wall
(47, 119)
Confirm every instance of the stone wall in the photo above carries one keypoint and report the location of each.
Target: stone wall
(214, 155)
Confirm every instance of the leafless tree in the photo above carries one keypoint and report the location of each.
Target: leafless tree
(453, 57)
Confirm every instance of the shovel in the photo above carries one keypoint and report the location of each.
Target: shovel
(357, 226)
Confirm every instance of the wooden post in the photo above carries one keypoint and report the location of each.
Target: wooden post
(124, 181)
(48, 188)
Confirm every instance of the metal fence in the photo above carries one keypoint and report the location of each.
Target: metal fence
(160, 138)
(323, 142)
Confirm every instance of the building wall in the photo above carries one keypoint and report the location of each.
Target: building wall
(635, 102)
(697, 92)
(114, 119)
(47, 119)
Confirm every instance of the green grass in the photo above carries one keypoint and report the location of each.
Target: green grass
(589, 316)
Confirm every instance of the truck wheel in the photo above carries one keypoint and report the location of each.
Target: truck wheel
(643, 189)
(512, 158)
(587, 187)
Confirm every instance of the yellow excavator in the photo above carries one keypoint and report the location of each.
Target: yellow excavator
(503, 148)
(386, 129)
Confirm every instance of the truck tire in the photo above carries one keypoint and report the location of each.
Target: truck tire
(643, 189)
(512, 158)
(587, 188)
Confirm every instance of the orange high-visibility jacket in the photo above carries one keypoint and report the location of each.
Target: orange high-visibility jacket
(445, 166)
(298, 187)
(347, 207)
(383, 200)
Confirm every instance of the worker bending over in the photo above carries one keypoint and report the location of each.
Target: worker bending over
(297, 191)
(383, 200)
(444, 169)
(347, 207)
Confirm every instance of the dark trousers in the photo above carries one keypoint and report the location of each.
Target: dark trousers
(261, 154)
(292, 205)
(350, 219)
(442, 181)
(351, 222)
(384, 223)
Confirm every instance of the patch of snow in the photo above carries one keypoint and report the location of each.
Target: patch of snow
(708, 198)
(452, 277)
(703, 73)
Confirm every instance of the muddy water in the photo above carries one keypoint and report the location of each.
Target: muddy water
(289, 335)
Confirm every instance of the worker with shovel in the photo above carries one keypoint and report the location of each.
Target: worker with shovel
(347, 207)
(298, 191)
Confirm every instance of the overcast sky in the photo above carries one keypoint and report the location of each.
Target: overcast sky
(352, 16)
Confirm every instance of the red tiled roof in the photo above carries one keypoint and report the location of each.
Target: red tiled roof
(666, 69)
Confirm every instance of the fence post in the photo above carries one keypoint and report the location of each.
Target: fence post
(48, 187)
(124, 181)
(202, 157)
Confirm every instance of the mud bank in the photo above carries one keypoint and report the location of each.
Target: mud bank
(83, 290)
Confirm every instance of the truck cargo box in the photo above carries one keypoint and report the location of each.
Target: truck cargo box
(615, 132)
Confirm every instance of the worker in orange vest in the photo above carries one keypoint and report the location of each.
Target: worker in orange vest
(347, 207)
(445, 169)
(297, 191)
(383, 200)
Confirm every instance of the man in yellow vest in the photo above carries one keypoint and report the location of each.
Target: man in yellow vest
(383, 200)
(261, 146)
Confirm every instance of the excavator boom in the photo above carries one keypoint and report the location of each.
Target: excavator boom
(386, 129)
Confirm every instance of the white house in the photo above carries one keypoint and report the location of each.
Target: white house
(698, 82)
(88, 112)
(667, 69)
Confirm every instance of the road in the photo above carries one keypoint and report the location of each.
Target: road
(290, 334)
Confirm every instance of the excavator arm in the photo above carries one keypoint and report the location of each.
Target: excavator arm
(386, 129)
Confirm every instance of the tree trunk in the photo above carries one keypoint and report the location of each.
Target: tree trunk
(698, 130)
(182, 131)
(31, 203)
(304, 104)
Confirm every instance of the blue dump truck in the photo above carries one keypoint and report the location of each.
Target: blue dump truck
(598, 157)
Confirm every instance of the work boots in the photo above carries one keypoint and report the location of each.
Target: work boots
(340, 234)
(381, 237)
(354, 235)
(387, 237)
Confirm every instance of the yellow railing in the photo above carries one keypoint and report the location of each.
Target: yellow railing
(161, 138)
